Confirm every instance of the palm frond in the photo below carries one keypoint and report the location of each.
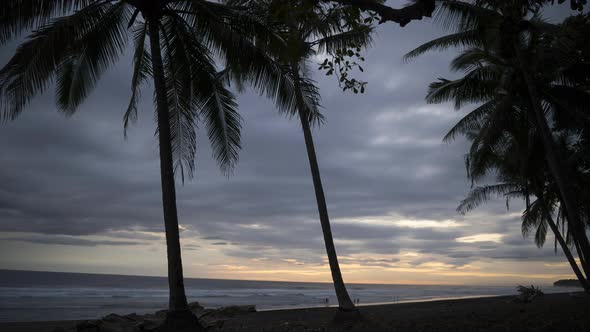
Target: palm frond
(17, 16)
(91, 55)
(491, 141)
(474, 58)
(317, 24)
(532, 217)
(481, 194)
(572, 102)
(223, 126)
(212, 102)
(37, 60)
(479, 85)
(463, 15)
(142, 72)
(183, 110)
(469, 38)
(311, 96)
(353, 38)
(536, 217)
(470, 122)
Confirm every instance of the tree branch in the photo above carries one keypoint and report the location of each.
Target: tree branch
(420, 8)
(415, 11)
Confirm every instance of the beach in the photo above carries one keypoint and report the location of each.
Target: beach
(45, 301)
(551, 312)
(42, 296)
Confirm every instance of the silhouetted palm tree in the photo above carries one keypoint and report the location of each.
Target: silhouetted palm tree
(515, 161)
(506, 145)
(309, 29)
(73, 42)
(498, 38)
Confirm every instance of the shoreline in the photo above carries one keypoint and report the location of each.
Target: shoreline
(370, 304)
(330, 306)
(551, 312)
(319, 306)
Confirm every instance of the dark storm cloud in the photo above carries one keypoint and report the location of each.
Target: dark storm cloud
(380, 154)
(69, 241)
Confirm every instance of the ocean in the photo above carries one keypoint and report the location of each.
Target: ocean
(41, 296)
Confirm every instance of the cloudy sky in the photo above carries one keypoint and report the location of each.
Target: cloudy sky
(76, 196)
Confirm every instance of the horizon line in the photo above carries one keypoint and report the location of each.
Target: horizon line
(257, 280)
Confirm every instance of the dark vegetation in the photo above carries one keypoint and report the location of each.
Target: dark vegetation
(567, 283)
(530, 80)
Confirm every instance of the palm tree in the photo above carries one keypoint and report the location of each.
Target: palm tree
(308, 29)
(506, 145)
(555, 160)
(73, 42)
(514, 160)
(496, 77)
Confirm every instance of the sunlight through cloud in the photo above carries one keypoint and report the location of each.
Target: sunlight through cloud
(491, 237)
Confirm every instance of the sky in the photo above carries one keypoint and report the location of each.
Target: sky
(76, 196)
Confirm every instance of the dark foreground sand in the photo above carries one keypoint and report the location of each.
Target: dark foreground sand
(553, 312)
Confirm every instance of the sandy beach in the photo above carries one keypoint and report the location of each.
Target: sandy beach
(551, 312)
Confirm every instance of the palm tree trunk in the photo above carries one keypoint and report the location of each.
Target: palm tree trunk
(565, 248)
(175, 278)
(568, 254)
(556, 166)
(344, 301)
(583, 260)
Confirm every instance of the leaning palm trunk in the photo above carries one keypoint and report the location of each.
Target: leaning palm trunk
(565, 248)
(555, 163)
(583, 260)
(179, 316)
(344, 301)
(568, 254)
